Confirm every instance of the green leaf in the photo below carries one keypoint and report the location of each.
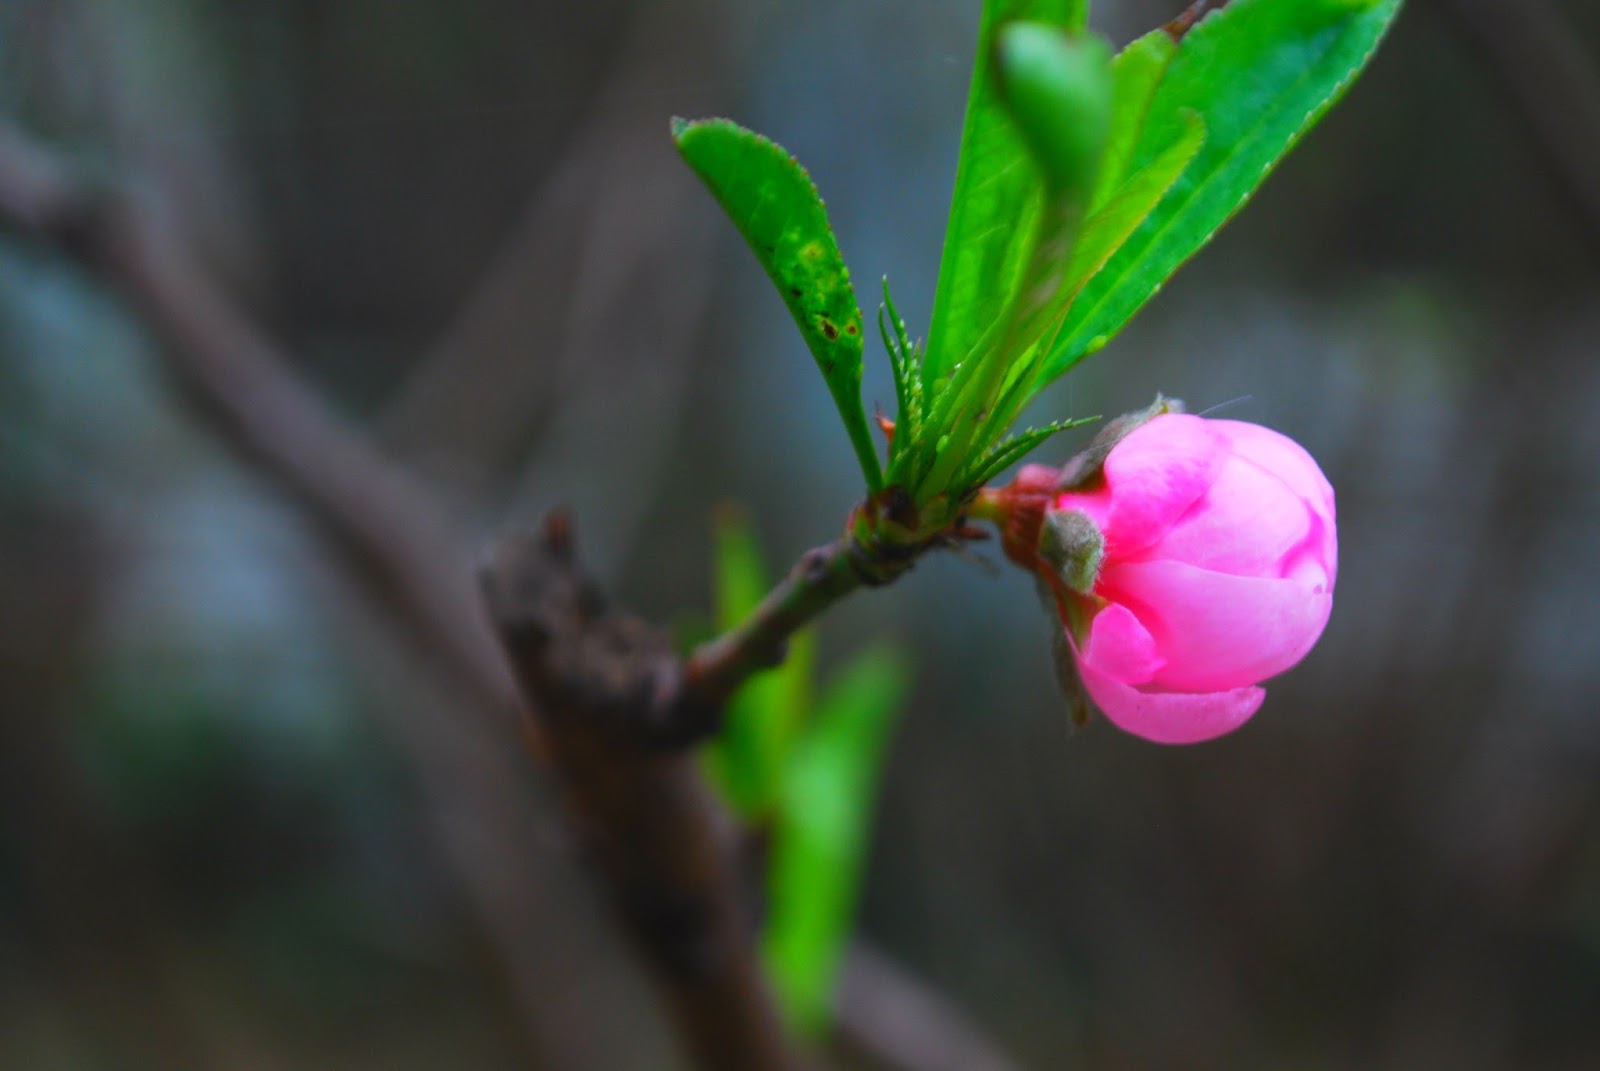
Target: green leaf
(820, 842)
(746, 760)
(1109, 228)
(1058, 88)
(995, 202)
(773, 202)
(1259, 73)
(1102, 235)
(1136, 73)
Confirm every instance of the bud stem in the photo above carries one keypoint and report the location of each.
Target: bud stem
(990, 505)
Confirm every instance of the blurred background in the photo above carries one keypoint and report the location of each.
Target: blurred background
(250, 819)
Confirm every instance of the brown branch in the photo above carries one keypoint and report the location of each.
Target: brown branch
(1191, 16)
(645, 816)
(1539, 61)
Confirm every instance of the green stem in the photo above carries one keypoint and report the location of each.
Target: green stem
(821, 577)
(872, 552)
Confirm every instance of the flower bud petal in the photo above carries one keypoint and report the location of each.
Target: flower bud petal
(1151, 479)
(1247, 523)
(1120, 647)
(1288, 460)
(1170, 717)
(1281, 456)
(1218, 555)
(1220, 631)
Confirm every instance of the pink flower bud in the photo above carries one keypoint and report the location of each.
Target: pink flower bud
(1206, 566)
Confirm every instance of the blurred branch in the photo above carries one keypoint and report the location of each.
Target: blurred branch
(901, 1024)
(542, 325)
(390, 538)
(1539, 61)
(663, 854)
(371, 510)
(637, 797)
(649, 824)
(493, 369)
(617, 712)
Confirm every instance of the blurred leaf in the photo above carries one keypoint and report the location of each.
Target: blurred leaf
(1057, 88)
(741, 577)
(1259, 73)
(773, 202)
(820, 842)
(746, 759)
(995, 205)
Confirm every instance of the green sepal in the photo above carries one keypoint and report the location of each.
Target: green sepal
(1073, 547)
(1062, 659)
